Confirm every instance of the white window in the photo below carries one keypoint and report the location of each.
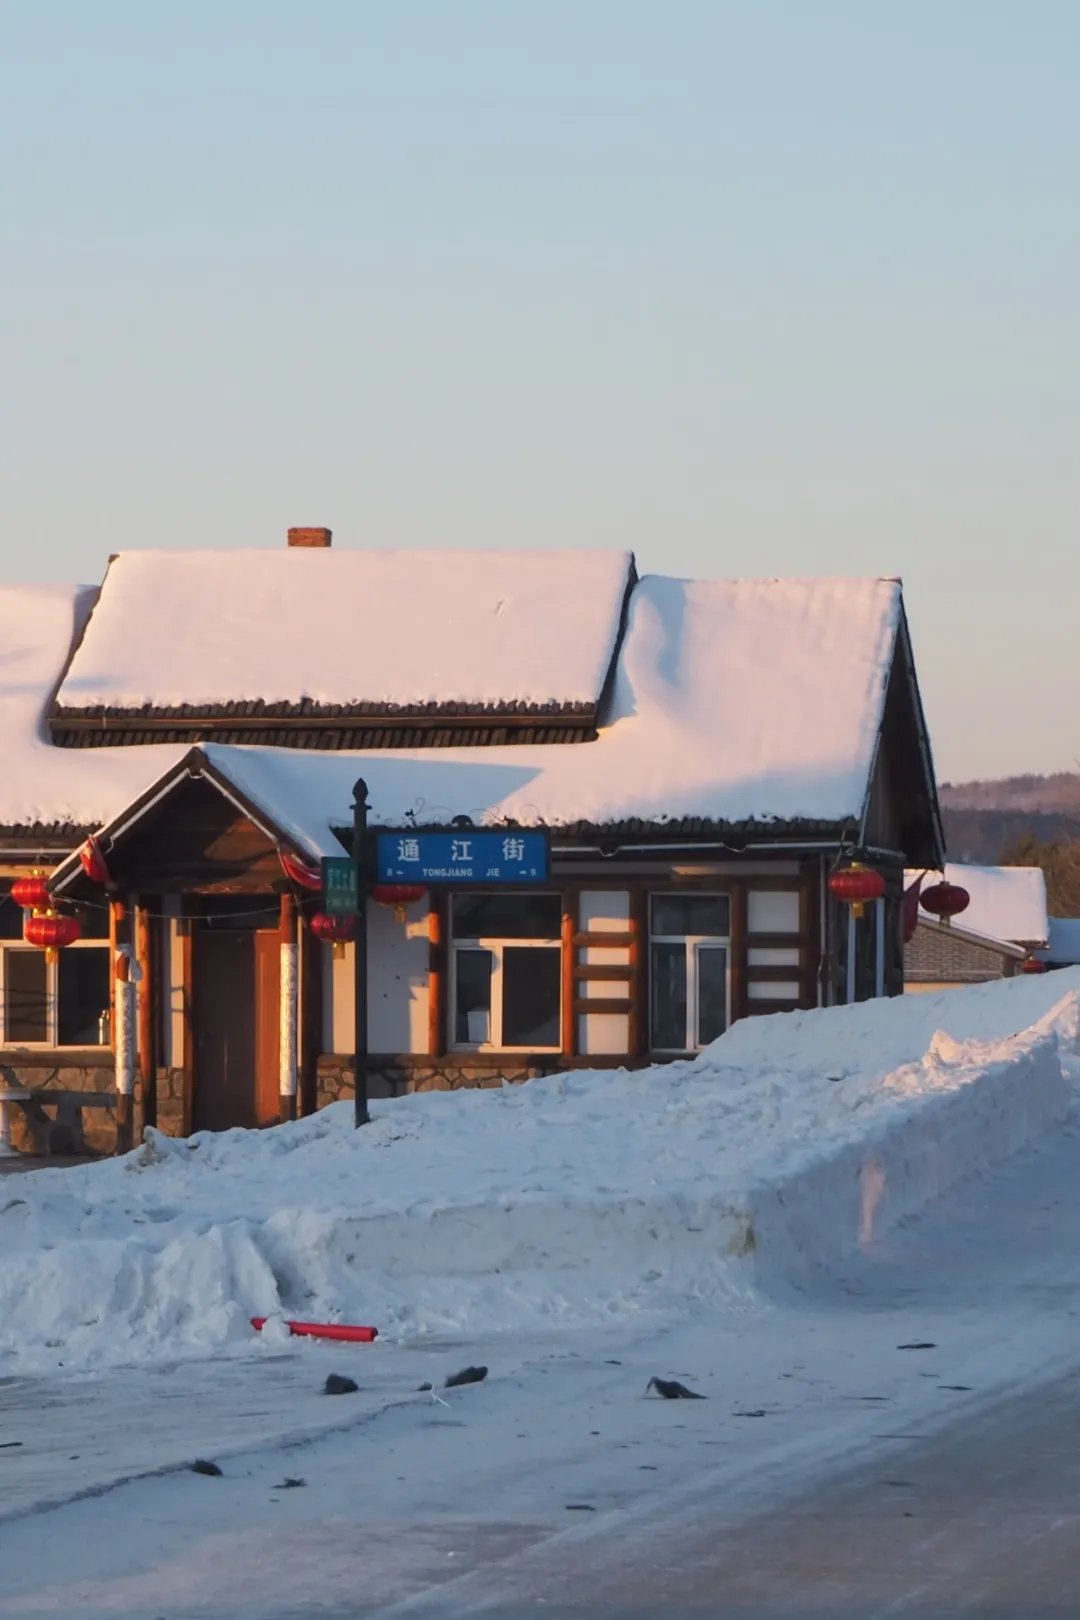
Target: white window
(689, 977)
(506, 972)
(61, 1003)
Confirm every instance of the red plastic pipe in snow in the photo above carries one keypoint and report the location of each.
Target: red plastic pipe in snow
(323, 1330)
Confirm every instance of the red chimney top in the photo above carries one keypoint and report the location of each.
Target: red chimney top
(309, 537)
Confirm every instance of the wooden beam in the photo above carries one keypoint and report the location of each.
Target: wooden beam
(311, 1017)
(148, 994)
(438, 961)
(774, 942)
(188, 1011)
(741, 942)
(776, 974)
(616, 973)
(599, 937)
(568, 958)
(638, 968)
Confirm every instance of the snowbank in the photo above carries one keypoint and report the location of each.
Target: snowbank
(581, 1199)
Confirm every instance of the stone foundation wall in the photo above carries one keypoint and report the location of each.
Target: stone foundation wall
(453, 1073)
(38, 1126)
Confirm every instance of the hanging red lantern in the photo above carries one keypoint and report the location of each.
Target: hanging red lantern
(332, 930)
(299, 872)
(32, 893)
(855, 886)
(945, 901)
(398, 895)
(50, 931)
(93, 861)
(1032, 964)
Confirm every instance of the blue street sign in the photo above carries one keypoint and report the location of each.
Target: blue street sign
(507, 856)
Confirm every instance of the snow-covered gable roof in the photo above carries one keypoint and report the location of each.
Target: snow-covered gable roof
(734, 702)
(367, 630)
(1007, 902)
(42, 786)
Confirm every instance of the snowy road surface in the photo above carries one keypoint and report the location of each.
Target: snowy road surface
(559, 1463)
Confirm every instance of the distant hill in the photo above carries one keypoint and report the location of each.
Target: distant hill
(1052, 795)
(983, 819)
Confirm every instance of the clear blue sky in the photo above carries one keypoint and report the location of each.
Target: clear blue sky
(754, 288)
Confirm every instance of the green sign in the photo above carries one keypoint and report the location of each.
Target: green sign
(340, 894)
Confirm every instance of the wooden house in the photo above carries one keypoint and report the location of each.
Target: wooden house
(703, 754)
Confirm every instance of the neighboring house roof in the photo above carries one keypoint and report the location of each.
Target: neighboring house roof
(44, 791)
(1007, 902)
(1064, 944)
(735, 704)
(320, 637)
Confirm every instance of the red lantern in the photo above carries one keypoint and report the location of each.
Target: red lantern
(1032, 964)
(32, 893)
(332, 930)
(856, 885)
(51, 931)
(945, 901)
(398, 895)
(93, 862)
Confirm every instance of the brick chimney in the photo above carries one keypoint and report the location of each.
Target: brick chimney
(309, 537)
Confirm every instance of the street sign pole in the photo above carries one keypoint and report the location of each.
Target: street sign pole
(360, 955)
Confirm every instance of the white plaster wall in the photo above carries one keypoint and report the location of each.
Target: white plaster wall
(768, 956)
(603, 911)
(756, 991)
(398, 956)
(773, 911)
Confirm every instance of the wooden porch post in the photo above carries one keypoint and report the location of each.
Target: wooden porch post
(436, 976)
(148, 990)
(311, 1025)
(289, 998)
(123, 1021)
(568, 958)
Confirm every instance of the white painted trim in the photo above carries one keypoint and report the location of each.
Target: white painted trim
(290, 981)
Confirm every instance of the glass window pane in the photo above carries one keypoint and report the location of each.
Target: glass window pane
(11, 918)
(472, 998)
(711, 993)
(82, 996)
(94, 921)
(507, 916)
(667, 996)
(707, 916)
(26, 1016)
(531, 987)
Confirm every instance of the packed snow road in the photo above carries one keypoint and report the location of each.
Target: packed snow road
(557, 1480)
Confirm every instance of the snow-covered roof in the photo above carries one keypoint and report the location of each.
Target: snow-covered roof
(1064, 945)
(1007, 902)
(370, 629)
(41, 785)
(734, 701)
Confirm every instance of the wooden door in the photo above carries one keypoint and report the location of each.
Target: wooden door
(236, 1002)
(224, 1007)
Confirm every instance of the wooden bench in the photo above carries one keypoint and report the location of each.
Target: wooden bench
(62, 1135)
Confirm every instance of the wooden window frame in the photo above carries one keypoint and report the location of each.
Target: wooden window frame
(496, 945)
(692, 943)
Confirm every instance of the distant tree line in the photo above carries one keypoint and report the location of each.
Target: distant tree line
(1060, 861)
